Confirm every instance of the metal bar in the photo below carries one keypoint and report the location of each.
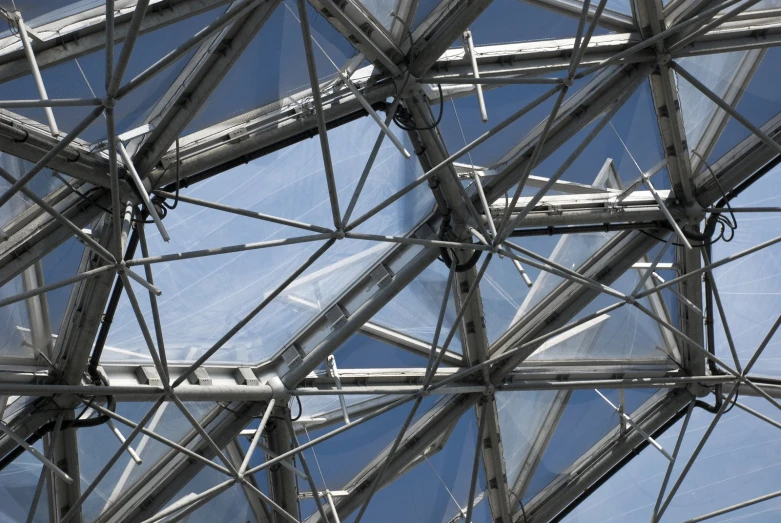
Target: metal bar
(47, 102)
(254, 312)
(675, 457)
(476, 466)
(121, 439)
(218, 23)
(112, 85)
(406, 240)
(141, 281)
(116, 204)
(29, 448)
(144, 329)
(734, 507)
(309, 478)
(476, 75)
(629, 189)
(158, 324)
(242, 212)
(256, 436)
(725, 106)
(322, 131)
(581, 49)
(637, 427)
(284, 463)
(109, 42)
(756, 414)
(28, 50)
(667, 214)
(141, 189)
(488, 80)
(330, 500)
(227, 250)
(333, 371)
(57, 285)
(482, 138)
(652, 268)
(720, 307)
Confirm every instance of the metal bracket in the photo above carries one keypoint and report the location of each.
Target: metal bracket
(245, 376)
(199, 377)
(336, 316)
(381, 276)
(148, 376)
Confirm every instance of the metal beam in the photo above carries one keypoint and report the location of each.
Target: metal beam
(82, 33)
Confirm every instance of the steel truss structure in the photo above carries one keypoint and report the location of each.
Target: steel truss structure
(113, 202)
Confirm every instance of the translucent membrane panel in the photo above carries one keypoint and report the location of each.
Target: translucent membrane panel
(620, 6)
(437, 488)
(461, 121)
(415, 310)
(15, 323)
(740, 461)
(17, 489)
(503, 290)
(204, 298)
(319, 410)
(511, 21)
(625, 334)
(635, 125)
(752, 284)
(425, 8)
(365, 352)
(382, 10)
(336, 461)
(591, 418)
(716, 72)
(758, 103)
(273, 66)
(98, 444)
(521, 419)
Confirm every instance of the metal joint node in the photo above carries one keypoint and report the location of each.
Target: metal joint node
(568, 81)
(665, 58)
(630, 300)
(339, 234)
(108, 102)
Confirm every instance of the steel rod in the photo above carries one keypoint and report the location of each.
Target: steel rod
(475, 74)
(654, 263)
(722, 19)
(121, 439)
(417, 241)
(228, 249)
(131, 169)
(476, 464)
(45, 473)
(36, 73)
(52, 286)
(48, 102)
(334, 512)
(243, 212)
(720, 308)
(488, 80)
(279, 510)
(191, 499)
(129, 43)
(205, 436)
(141, 281)
(686, 301)
(734, 507)
(623, 415)
(116, 203)
(322, 130)
(157, 322)
(256, 436)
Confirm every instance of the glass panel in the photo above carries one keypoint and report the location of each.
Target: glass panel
(365, 352)
(203, 298)
(382, 10)
(740, 461)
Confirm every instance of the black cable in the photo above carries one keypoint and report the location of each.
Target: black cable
(300, 410)
(178, 182)
(404, 119)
